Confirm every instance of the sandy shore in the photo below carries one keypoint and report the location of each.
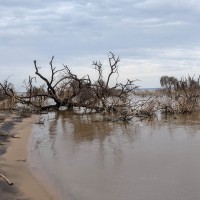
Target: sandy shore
(13, 164)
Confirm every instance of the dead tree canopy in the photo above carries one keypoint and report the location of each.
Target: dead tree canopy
(67, 89)
(64, 88)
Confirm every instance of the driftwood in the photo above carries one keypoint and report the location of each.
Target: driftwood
(6, 179)
(41, 121)
(13, 136)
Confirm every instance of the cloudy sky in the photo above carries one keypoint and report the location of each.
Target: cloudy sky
(152, 37)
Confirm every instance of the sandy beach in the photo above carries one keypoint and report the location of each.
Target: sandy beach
(13, 164)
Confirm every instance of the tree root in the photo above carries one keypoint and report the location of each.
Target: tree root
(6, 179)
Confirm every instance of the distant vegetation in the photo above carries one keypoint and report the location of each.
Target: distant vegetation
(121, 101)
(181, 96)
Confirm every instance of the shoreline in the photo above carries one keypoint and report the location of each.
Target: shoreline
(14, 165)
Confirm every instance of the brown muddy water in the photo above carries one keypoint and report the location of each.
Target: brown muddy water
(84, 159)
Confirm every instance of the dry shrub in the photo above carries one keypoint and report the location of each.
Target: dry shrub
(8, 103)
(179, 96)
(147, 108)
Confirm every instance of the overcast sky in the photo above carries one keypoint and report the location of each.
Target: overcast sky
(152, 37)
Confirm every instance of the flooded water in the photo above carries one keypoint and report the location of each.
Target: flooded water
(85, 159)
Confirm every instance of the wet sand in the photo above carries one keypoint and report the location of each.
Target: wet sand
(14, 165)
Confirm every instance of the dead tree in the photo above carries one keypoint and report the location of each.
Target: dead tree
(100, 96)
(66, 89)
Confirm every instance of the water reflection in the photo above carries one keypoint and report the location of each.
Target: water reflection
(75, 131)
(89, 159)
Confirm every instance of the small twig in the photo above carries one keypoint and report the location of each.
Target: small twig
(21, 160)
(6, 179)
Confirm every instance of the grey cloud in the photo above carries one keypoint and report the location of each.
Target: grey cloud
(91, 17)
(127, 27)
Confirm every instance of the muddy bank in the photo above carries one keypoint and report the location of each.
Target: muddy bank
(13, 160)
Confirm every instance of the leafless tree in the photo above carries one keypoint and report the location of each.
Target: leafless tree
(65, 88)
